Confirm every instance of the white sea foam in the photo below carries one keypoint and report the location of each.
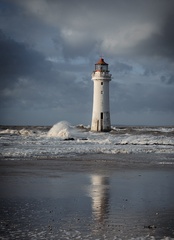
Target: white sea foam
(61, 130)
(64, 130)
(9, 131)
(40, 141)
(23, 132)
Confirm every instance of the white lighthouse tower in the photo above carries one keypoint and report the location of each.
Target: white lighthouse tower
(101, 111)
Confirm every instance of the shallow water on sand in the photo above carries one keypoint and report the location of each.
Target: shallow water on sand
(122, 204)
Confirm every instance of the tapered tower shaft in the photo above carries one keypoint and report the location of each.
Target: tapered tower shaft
(101, 110)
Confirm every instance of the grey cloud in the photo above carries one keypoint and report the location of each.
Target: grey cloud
(72, 49)
(161, 43)
(149, 72)
(163, 79)
(29, 81)
(120, 67)
(19, 60)
(139, 98)
(168, 80)
(49, 50)
(171, 79)
(142, 27)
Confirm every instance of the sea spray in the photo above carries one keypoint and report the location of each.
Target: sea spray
(64, 130)
(23, 132)
(38, 141)
(60, 129)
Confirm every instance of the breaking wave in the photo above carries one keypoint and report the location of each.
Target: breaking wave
(63, 139)
(23, 132)
(64, 130)
(61, 129)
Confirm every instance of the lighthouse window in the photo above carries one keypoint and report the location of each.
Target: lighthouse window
(101, 83)
(105, 68)
(97, 67)
(101, 92)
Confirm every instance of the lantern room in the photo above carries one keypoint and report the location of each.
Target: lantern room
(101, 66)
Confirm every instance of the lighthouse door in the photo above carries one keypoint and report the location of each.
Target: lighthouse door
(101, 119)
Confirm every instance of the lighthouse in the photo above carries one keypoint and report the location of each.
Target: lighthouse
(101, 110)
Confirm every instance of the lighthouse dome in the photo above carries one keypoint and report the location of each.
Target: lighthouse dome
(101, 62)
(101, 66)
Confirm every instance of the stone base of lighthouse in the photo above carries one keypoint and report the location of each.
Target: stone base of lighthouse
(101, 123)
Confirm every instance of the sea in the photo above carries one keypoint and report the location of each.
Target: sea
(65, 140)
(53, 200)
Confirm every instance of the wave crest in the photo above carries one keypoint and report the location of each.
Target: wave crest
(61, 129)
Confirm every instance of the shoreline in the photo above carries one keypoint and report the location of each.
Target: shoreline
(87, 163)
(93, 196)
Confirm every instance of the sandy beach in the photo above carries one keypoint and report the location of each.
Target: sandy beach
(95, 196)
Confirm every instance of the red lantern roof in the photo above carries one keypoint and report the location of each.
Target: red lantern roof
(101, 62)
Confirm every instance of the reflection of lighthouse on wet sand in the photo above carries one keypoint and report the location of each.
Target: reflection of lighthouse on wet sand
(100, 196)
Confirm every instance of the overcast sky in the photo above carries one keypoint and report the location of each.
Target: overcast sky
(48, 49)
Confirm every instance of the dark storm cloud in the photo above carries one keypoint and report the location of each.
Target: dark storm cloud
(168, 35)
(19, 60)
(120, 67)
(168, 80)
(109, 27)
(28, 80)
(171, 79)
(161, 43)
(81, 49)
(137, 97)
(149, 72)
(49, 48)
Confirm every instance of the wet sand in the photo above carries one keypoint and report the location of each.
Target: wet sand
(88, 197)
